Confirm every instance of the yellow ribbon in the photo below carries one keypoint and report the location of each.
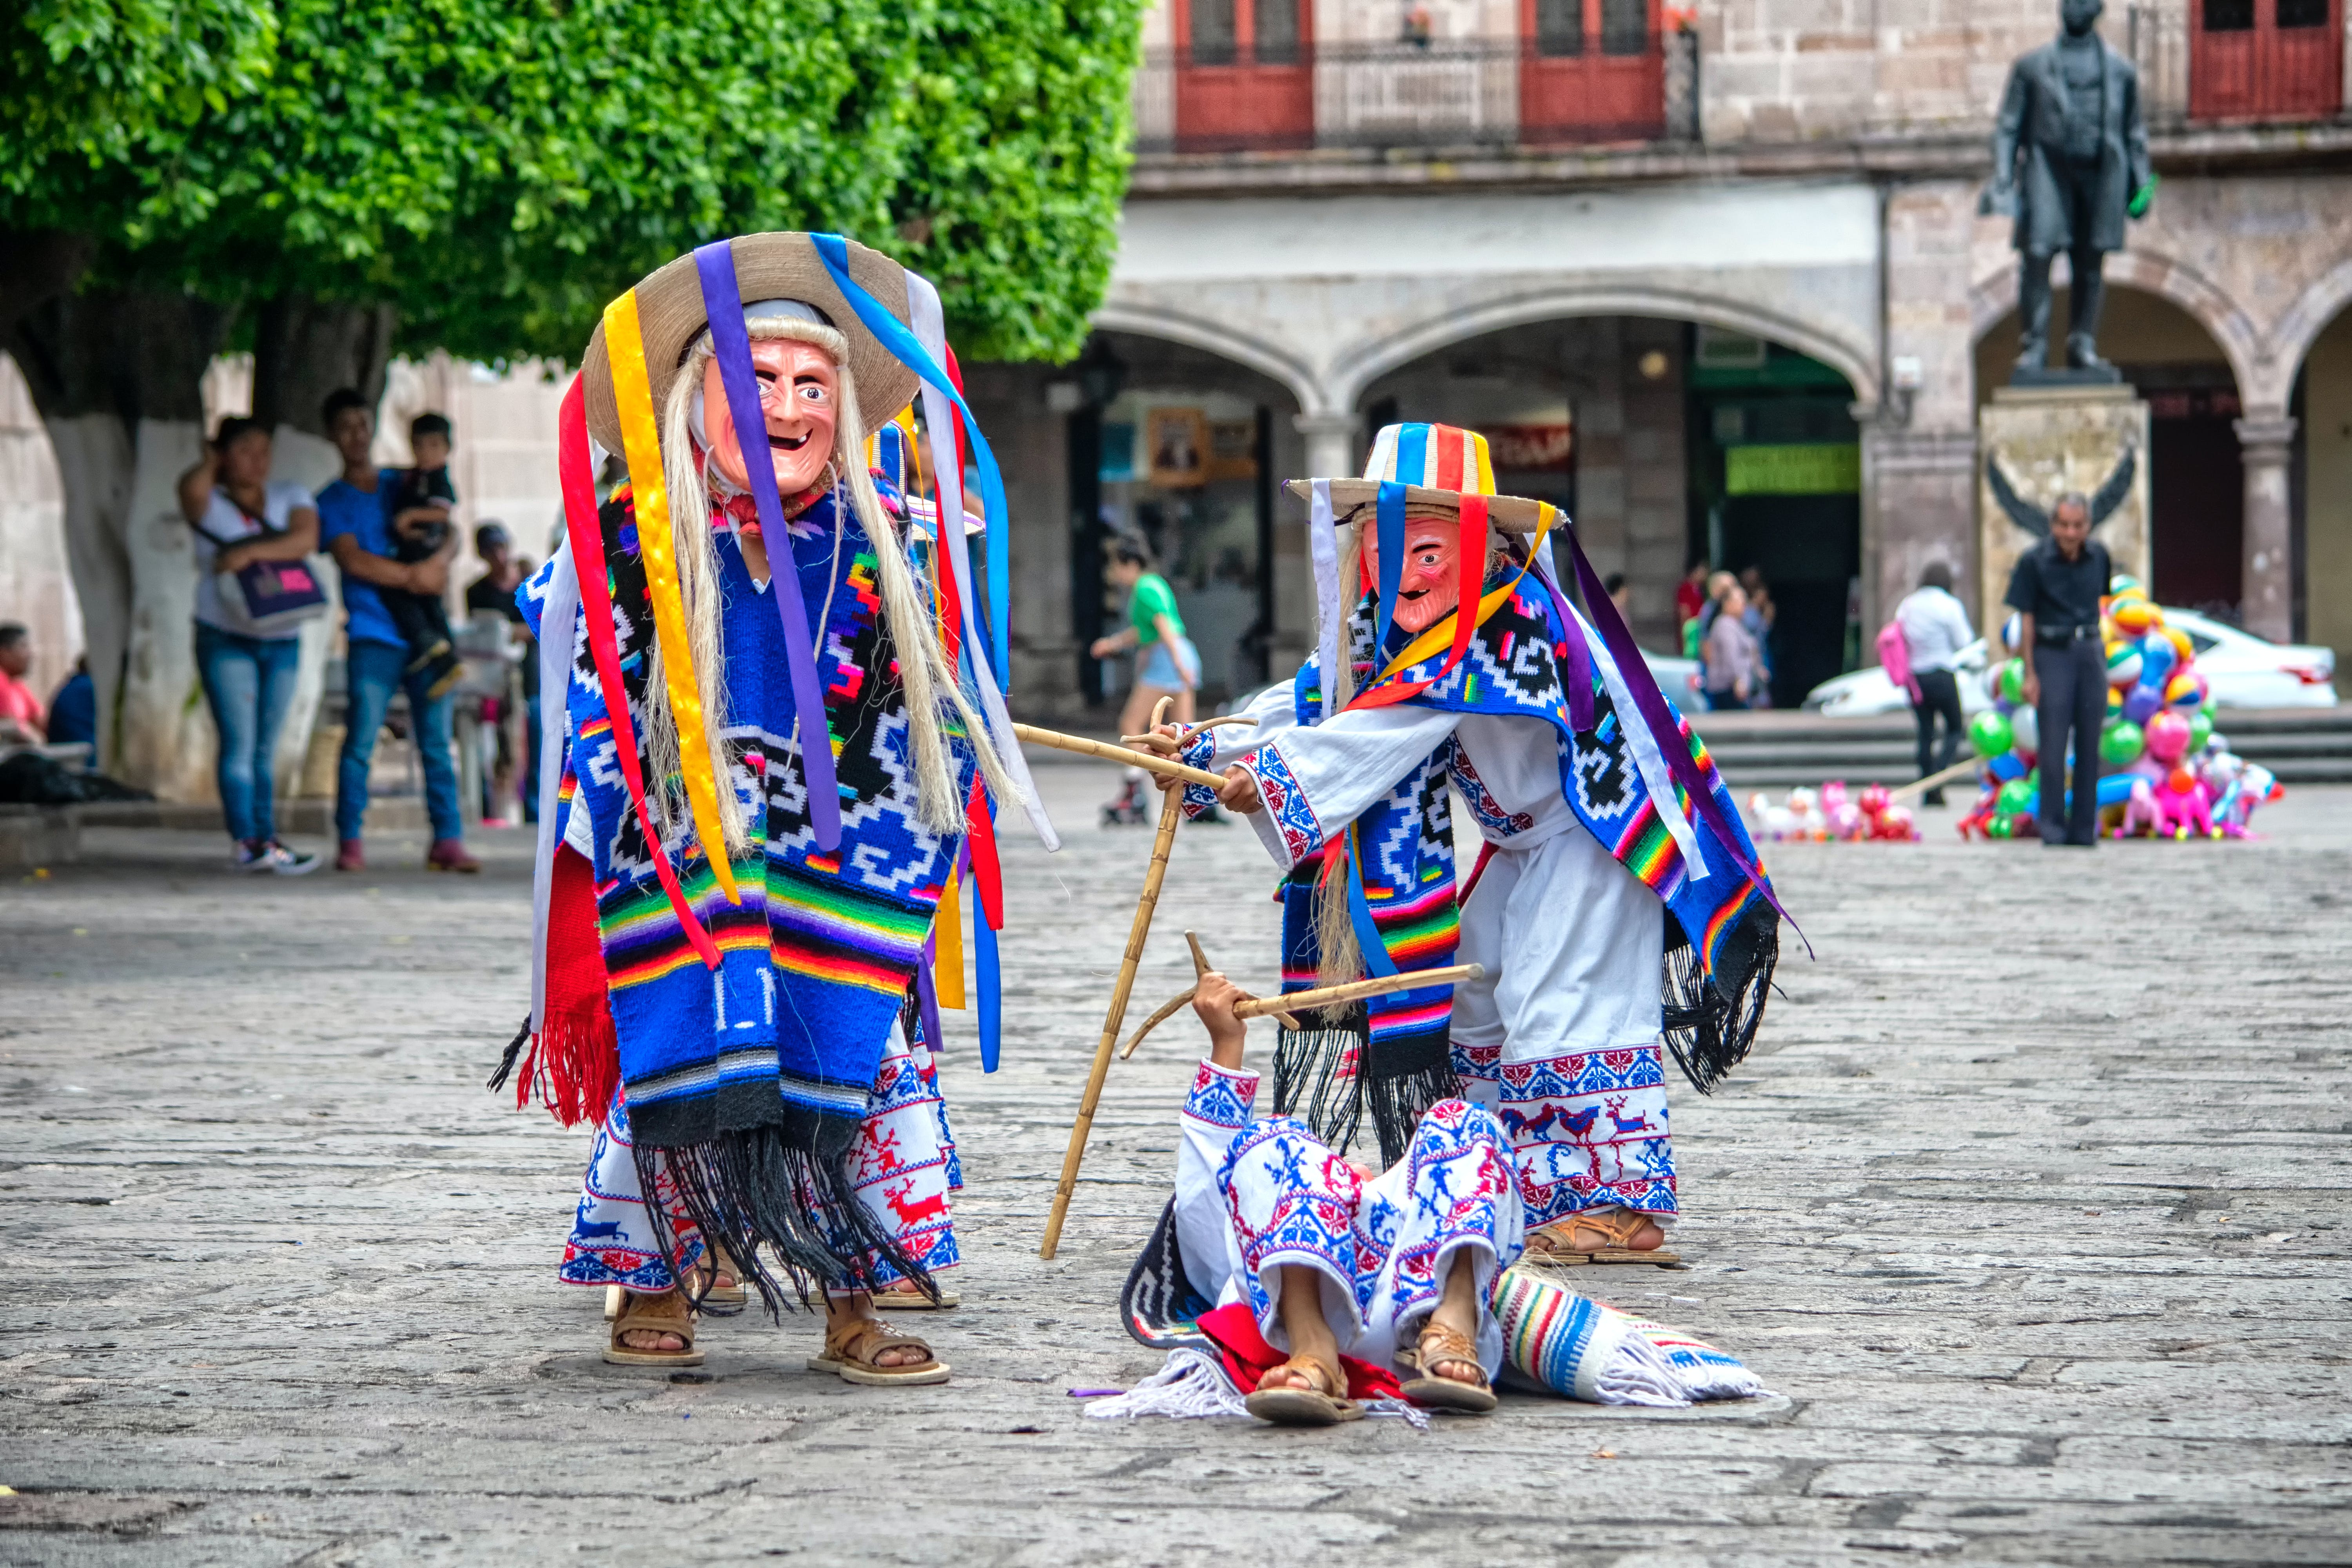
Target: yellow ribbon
(1440, 637)
(947, 949)
(625, 346)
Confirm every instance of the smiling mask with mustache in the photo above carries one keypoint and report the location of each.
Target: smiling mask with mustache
(1431, 582)
(799, 391)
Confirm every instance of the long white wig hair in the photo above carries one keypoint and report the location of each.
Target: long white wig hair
(934, 695)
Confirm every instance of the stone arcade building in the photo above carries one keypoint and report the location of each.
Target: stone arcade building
(1716, 281)
(1713, 280)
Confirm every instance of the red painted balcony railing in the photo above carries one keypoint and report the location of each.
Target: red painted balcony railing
(1566, 86)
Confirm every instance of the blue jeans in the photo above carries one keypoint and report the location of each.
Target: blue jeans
(248, 681)
(376, 670)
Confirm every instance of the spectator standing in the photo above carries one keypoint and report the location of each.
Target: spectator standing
(240, 517)
(2056, 587)
(22, 721)
(1935, 629)
(420, 504)
(1166, 664)
(1690, 594)
(493, 594)
(357, 529)
(1621, 593)
(73, 711)
(1760, 615)
(1734, 667)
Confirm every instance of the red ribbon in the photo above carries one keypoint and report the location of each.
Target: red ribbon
(596, 603)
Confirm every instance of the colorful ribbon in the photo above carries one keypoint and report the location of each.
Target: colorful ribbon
(731, 345)
(625, 349)
(894, 336)
(587, 534)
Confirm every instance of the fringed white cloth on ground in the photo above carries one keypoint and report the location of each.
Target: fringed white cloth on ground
(1704, 1371)
(1191, 1384)
(1572, 1345)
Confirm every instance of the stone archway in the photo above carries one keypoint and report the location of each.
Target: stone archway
(2249, 350)
(1360, 366)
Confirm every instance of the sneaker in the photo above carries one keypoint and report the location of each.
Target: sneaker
(272, 856)
(249, 857)
(449, 855)
(351, 857)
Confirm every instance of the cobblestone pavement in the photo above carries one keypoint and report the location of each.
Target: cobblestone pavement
(2030, 1205)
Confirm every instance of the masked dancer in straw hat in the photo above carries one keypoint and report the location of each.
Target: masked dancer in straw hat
(1617, 898)
(770, 768)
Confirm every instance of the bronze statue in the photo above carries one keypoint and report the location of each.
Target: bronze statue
(2069, 161)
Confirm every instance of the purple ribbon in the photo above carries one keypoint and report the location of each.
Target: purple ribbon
(927, 996)
(730, 343)
(1652, 705)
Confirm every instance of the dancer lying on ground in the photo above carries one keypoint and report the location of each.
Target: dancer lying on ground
(1391, 1268)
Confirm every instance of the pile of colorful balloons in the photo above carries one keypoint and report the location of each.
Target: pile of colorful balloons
(1829, 813)
(2169, 773)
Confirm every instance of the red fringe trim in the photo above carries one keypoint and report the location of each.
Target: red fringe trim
(573, 1068)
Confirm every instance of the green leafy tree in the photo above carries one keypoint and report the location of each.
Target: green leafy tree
(331, 180)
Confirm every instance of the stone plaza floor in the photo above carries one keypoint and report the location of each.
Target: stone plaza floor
(2031, 1207)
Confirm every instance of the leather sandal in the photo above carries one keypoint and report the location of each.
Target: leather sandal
(851, 1351)
(711, 1299)
(1325, 1404)
(1440, 1343)
(892, 1299)
(1555, 1242)
(667, 1314)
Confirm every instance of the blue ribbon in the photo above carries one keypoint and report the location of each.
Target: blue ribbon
(1390, 515)
(894, 336)
(1360, 915)
(730, 345)
(991, 977)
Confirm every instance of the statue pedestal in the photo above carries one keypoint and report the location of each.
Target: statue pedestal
(2049, 440)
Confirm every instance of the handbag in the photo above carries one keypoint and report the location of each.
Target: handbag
(268, 598)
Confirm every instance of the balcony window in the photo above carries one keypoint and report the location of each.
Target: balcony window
(2265, 60)
(1569, 92)
(1244, 76)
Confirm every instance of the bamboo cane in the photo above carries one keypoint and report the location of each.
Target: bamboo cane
(1172, 811)
(1154, 739)
(1150, 761)
(1285, 1007)
(1377, 986)
(1934, 781)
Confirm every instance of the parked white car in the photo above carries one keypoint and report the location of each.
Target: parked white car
(2242, 669)
(1678, 678)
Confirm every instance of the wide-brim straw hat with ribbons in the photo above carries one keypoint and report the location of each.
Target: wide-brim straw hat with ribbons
(1437, 465)
(671, 315)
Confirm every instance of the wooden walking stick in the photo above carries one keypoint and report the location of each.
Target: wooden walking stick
(1285, 1006)
(1168, 1009)
(1103, 751)
(1172, 811)
(1957, 772)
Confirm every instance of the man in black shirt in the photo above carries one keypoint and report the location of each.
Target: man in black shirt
(2056, 587)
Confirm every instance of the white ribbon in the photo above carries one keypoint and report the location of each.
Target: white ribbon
(1330, 615)
(930, 323)
(556, 632)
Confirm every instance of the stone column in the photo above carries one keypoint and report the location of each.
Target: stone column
(1331, 443)
(1920, 506)
(2266, 438)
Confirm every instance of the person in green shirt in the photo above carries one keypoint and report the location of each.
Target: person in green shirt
(1166, 664)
